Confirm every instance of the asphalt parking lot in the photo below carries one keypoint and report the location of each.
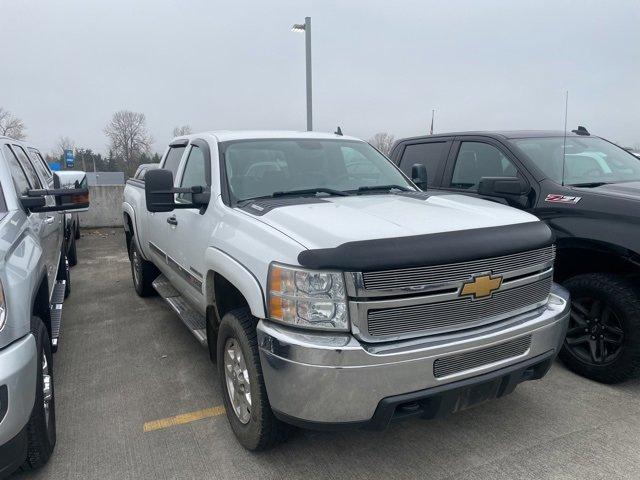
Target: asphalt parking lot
(136, 397)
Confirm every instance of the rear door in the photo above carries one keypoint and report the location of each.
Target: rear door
(161, 228)
(432, 153)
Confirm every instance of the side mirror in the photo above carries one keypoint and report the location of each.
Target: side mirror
(419, 175)
(158, 190)
(70, 192)
(509, 188)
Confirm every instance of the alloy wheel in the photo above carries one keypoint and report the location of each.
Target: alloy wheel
(595, 335)
(237, 380)
(47, 390)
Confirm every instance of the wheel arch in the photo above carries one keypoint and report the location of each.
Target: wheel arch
(581, 255)
(40, 303)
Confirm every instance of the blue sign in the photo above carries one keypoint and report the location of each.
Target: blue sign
(54, 166)
(68, 157)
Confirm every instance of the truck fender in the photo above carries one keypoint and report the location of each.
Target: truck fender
(130, 226)
(241, 278)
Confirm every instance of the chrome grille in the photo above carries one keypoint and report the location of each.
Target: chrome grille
(458, 314)
(461, 362)
(455, 272)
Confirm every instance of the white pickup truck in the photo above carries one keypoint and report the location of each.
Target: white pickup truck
(330, 291)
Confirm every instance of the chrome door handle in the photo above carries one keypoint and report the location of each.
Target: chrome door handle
(172, 220)
(49, 220)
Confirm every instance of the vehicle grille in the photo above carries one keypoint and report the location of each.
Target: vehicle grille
(456, 314)
(461, 362)
(455, 272)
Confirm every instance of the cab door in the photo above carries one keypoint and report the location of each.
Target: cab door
(193, 227)
(46, 226)
(161, 228)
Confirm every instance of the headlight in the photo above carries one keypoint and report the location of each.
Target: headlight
(307, 298)
(3, 307)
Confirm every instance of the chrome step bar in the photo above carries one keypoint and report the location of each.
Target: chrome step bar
(194, 321)
(55, 311)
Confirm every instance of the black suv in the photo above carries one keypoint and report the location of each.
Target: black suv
(588, 190)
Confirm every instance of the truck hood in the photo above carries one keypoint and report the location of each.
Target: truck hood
(367, 217)
(628, 190)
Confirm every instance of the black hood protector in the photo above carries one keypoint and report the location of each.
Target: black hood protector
(431, 249)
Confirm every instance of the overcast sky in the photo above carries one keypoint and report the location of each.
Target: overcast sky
(379, 65)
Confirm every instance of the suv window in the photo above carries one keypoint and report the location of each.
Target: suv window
(476, 160)
(194, 173)
(428, 154)
(19, 177)
(29, 170)
(172, 161)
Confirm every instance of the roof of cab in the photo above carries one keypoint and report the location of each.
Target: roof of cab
(503, 134)
(230, 135)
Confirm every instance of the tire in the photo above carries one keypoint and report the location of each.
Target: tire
(72, 255)
(41, 429)
(76, 234)
(142, 272)
(603, 340)
(260, 429)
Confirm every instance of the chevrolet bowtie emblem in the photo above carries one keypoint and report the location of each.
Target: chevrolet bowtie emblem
(481, 286)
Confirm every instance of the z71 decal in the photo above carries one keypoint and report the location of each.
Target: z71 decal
(556, 198)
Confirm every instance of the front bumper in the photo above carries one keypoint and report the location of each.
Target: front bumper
(18, 364)
(324, 380)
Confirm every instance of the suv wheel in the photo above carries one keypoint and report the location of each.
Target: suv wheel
(143, 272)
(73, 254)
(243, 389)
(603, 339)
(41, 429)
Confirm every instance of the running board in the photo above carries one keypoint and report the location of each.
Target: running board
(194, 321)
(55, 312)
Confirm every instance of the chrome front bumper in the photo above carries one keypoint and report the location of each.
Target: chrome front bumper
(18, 369)
(321, 378)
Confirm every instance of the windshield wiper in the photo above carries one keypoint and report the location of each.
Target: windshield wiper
(307, 191)
(373, 188)
(589, 184)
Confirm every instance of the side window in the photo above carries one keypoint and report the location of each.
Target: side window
(429, 154)
(194, 173)
(27, 166)
(172, 161)
(476, 160)
(19, 177)
(39, 165)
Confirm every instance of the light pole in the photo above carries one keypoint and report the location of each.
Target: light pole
(306, 28)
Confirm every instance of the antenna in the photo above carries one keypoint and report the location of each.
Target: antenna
(433, 113)
(338, 131)
(564, 141)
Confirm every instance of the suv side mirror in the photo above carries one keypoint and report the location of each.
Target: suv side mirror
(158, 190)
(70, 193)
(419, 175)
(509, 188)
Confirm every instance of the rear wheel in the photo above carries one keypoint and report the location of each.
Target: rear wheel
(41, 429)
(143, 272)
(244, 392)
(603, 339)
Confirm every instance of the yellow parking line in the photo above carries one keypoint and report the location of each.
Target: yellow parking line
(182, 419)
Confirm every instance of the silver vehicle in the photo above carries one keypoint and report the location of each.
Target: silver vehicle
(34, 281)
(330, 291)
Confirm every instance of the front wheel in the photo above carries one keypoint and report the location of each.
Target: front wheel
(41, 429)
(242, 384)
(603, 339)
(73, 254)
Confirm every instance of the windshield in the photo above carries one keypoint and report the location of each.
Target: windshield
(260, 168)
(589, 160)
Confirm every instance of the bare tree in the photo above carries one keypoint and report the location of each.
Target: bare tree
(383, 141)
(11, 126)
(182, 130)
(65, 143)
(128, 136)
